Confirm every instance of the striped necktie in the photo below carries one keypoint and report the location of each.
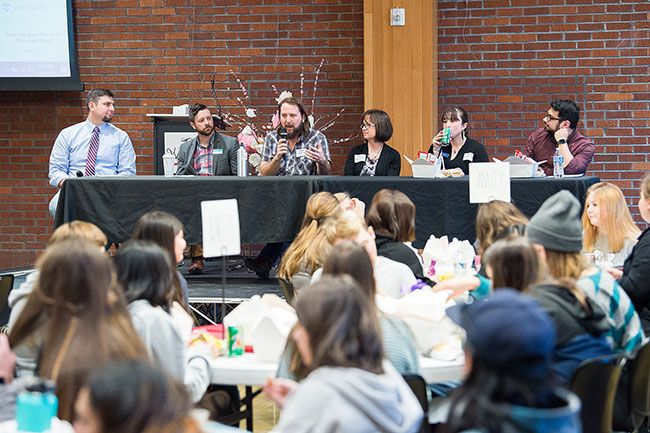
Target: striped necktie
(91, 160)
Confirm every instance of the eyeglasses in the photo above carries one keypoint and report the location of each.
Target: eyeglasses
(549, 117)
(365, 125)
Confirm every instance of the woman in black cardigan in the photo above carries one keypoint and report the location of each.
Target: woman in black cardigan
(374, 157)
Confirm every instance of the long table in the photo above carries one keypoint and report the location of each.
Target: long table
(271, 208)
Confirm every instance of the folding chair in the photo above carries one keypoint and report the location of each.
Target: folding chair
(6, 284)
(595, 381)
(419, 388)
(637, 390)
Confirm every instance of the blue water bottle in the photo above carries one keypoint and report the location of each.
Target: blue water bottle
(558, 164)
(36, 407)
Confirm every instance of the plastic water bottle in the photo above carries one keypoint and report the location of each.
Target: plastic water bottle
(242, 161)
(460, 266)
(558, 164)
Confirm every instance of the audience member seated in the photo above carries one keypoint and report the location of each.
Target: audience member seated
(392, 217)
(136, 397)
(166, 230)
(513, 263)
(351, 203)
(349, 386)
(508, 356)
(399, 343)
(581, 325)
(81, 230)
(391, 277)
(144, 273)
(74, 321)
(310, 247)
(461, 151)
(607, 224)
(635, 276)
(560, 133)
(374, 157)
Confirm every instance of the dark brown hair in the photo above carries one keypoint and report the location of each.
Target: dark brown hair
(162, 228)
(76, 317)
(392, 214)
(342, 325)
(306, 126)
(514, 263)
(352, 259)
(383, 125)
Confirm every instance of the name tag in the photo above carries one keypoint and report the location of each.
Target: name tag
(300, 153)
(469, 156)
(359, 158)
(217, 151)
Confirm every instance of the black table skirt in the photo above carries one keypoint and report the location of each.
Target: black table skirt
(271, 208)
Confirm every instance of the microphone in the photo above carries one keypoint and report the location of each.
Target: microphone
(79, 173)
(282, 133)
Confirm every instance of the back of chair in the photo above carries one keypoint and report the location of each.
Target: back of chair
(595, 381)
(639, 393)
(419, 388)
(288, 289)
(6, 284)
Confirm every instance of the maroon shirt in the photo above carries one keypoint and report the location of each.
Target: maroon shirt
(541, 146)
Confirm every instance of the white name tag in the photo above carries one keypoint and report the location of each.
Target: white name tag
(217, 152)
(359, 158)
(469, 156)
(300, 153)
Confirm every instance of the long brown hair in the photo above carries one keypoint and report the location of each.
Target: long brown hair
(352, 259)
(615, 219)
(162, 228)
(310, 247)
(342, 325)
(76, 317)
(495, 217)
(566, 268)
(392, 214)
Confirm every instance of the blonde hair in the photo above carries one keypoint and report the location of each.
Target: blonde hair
(615, 220)
(78, 230)
(493, 218)
(566, 268)
(347, 225)
(310, 248)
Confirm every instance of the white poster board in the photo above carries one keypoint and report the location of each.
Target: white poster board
(220, 220)
(489, 181)
(173, 140)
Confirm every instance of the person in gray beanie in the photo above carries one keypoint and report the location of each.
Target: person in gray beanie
(582, 328)
(556, 225)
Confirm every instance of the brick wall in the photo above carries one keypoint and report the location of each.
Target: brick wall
(162, 53)
(502, 60)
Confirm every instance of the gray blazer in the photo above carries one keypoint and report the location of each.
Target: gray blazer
(224, 164)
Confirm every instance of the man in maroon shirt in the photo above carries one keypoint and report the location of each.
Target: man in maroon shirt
(559, 132)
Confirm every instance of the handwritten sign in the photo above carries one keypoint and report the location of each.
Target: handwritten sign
(489, 181)
(220, 220)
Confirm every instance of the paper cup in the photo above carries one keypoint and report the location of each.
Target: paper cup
(168, 164)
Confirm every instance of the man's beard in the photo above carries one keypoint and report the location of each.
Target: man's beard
(206, 132)
(107, 119)
(297, 132)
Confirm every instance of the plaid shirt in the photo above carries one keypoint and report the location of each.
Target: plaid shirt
(295, 162)
(203, 160)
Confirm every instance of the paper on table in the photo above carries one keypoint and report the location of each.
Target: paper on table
(220, 220)
(489, 181)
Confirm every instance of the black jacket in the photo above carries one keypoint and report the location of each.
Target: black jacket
(400, 253)
(389, 163)
(636, 276)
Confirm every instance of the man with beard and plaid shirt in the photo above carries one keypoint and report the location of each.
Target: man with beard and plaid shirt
(207, 154)
(305, 151)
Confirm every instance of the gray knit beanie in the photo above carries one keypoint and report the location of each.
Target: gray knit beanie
(556, 225)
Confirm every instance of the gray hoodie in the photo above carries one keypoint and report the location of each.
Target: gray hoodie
(351, 400)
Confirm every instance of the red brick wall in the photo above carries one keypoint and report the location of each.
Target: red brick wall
(164, 53)
(502, 60)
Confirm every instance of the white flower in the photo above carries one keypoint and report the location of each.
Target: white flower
(250, 113)
(284, 95)
(247, 130)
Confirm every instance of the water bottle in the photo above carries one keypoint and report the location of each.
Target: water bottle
(36, 406)
(460, 266)
(242, 161)
(558, 164)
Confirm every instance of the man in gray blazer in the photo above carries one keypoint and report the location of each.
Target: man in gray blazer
(207, 154)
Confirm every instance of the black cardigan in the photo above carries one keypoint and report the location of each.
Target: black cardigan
(389, 163)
